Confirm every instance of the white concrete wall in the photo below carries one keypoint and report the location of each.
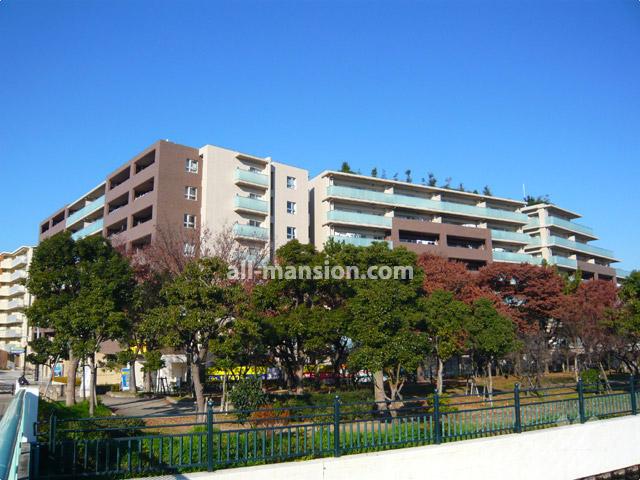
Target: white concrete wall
(565, 453)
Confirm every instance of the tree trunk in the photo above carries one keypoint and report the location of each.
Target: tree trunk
(70, 393)
(378, 390)
(420, 374)
(440, 376)
(198, 387)
(133, 388)
(490, 381)
(92, 384)
(299, 377)
(576, 369)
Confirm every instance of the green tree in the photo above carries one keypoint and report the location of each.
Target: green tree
(345, 167)
(443, 319)
(48, 351)
(491, 336)
(382, 322)
(374, 172)
(82, 290)
(487, 191)
(432, 181)
(200, 305)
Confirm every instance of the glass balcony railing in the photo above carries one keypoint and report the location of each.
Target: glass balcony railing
(516, 257)
(10, 333)
(249, 231)
(581, 247)
(358, 241)
(254, 204)
(425, 204)
(359, 218)
(254, 178)
(534, 222)
(563, 261)
(90, 229)
(512, 236)
(566, 224)
(17, 275)
(84, 211)
(620, 273)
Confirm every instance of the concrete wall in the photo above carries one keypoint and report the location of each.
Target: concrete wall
(281, 194)
(565, 453)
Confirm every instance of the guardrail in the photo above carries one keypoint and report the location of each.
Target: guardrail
(152, 444)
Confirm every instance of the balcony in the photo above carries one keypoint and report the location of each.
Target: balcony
(11, 319)
(571, 226)
(250, 204)
(515, 237)
(564, 262)
(342, 216)
(620, 273)
(250, 232)
(358, 241)
(90, 229)
(251, 178)
(514, 257)
(94, 206)
(11, 333)
(18, 275)
(15, 304)
(580, 247)
(16, 262)
(16, 289)
(425, 204)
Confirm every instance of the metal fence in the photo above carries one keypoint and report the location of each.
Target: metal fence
(145, 445)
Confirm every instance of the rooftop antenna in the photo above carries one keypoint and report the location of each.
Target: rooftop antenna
(524, 191)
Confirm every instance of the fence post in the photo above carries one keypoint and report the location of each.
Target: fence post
(53, 421)
(336, 426)
(516, 406)
(581, 401)
(436, 417)
(632, 391)
(210, 435)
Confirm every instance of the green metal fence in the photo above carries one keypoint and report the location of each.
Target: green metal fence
(135, 446)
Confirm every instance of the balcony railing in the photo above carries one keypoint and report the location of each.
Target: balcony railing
(620, 273)
(10, 333)
(15, 304)
(88, 230)
(17, 275)
(563, 261)
(249, 231)
(358, 241)
(581, 247)
(511, 236)
(21, 260)
(425, 204)
(343, 216)
(88, 209)
(566, 224)
(12, 318)
(253, 204)
(254, 178)
(16, 289)
(516, 257)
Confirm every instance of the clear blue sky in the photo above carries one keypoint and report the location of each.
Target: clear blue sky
(545, 93)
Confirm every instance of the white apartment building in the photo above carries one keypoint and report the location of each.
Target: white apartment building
(14, 330)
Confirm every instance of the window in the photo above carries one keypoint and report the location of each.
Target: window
(191, 193)
(191, 165)
(255, 195)
(189, 220)
(189, 250)
(291, 233)
(254, 223)
(291, 182)
(255, 170)
(291, 207)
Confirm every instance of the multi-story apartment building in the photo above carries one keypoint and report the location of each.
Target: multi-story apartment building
(181, 190)
(462, 226)
(14, 297)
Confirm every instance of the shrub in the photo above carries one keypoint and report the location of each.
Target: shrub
(247, 395)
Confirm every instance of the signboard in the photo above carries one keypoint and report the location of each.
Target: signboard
(57, 370)
(125, 378)
(16, 350)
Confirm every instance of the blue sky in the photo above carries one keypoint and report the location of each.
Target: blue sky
(544, 93)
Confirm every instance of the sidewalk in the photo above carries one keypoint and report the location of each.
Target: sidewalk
(131, 406)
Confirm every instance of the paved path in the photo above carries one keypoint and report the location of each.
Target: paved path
(146, 406)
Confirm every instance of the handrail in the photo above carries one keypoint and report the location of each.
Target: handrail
(10, 434)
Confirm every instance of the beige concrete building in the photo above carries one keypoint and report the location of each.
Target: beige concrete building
(463, 226)
(14, 298)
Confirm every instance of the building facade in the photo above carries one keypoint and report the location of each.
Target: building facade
(180, 191)
(263, 204)
(14, 298)
(462, 226)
